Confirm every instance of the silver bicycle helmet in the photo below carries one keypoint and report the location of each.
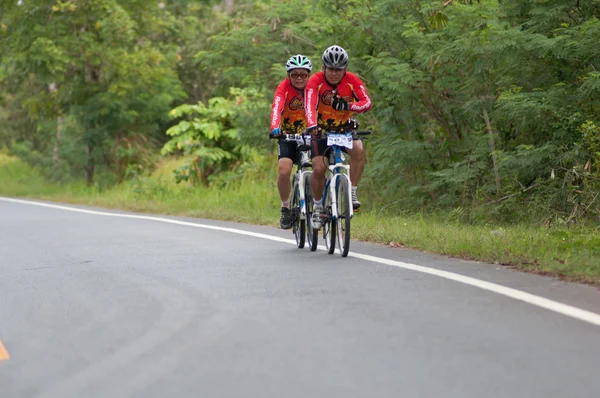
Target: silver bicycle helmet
(335, 57)
(298, 61)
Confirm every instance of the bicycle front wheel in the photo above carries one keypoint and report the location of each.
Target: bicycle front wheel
(330, 227)
(344, 216)
(299, 225)
(312, 235)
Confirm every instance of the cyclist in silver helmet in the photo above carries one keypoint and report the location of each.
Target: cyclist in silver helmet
(332, 97)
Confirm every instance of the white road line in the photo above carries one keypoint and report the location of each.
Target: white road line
(538, 301)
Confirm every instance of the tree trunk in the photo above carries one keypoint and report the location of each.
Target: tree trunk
(56, 150)
(89, 167)
(52, 88)
(492, 148)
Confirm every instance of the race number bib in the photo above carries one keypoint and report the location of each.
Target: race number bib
(343, 140)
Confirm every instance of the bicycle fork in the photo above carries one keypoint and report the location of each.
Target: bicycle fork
(332, 185)
(301, 189)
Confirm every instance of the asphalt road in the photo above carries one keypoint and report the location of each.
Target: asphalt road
(99, 306)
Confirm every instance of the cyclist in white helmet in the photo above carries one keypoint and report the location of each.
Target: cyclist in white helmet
(332, 97)
(287, 117)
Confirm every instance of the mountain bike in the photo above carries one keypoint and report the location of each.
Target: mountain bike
(300, 194)
(337, 196)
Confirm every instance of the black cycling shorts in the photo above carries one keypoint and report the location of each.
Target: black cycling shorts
(287, 149)
(319, 145)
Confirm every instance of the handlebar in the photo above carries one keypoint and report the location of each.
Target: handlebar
(302, 140)
(291, 137)
(361, 132)
(304, 136)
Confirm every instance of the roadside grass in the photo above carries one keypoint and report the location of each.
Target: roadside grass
(251, 202)
(18, 179)
(567, 252)
(572, 253)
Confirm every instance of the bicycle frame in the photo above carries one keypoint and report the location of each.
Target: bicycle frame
(302, 169)
(337, 170)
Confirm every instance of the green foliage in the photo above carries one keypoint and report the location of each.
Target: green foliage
(536, 80)
(217, 137)
(92, 62)
(591, 143)
(490, 107)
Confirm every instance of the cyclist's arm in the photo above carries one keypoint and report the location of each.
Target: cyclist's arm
(363, 103)
(311, 99)
(278, 105)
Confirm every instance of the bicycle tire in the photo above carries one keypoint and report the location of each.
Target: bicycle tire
(310, 233)
(344, 217)
(314, 240)
(298, 226)
(329, 227)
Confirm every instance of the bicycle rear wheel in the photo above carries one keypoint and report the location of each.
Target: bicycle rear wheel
(344, 217)
(312, 235)
(298, 226)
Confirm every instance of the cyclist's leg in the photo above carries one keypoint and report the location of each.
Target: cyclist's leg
(317, 181)
(357, 166)
(283, 179)
(357, 161)
(286, 158)
(287, 153)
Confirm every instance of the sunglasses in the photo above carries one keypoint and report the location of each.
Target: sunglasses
(299, 75)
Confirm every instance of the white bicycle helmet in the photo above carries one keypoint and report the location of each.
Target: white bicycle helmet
(298, 61)
(335, 57)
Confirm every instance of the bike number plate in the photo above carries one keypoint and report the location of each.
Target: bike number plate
(344, 140)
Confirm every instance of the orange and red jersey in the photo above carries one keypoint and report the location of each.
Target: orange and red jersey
(287, 111)
(319, 95)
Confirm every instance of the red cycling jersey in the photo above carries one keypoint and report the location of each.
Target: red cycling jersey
(319, 95)
(287, 111)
